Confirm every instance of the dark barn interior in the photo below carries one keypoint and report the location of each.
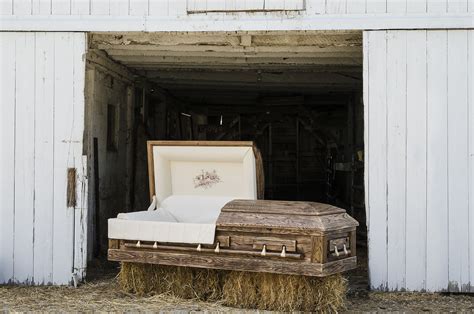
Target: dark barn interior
(297, 96)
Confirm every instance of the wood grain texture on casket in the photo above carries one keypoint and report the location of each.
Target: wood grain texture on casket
(246, 241)
(252, 264)
(319, 249)
(285, 217)
(291, 224)
(282, 207)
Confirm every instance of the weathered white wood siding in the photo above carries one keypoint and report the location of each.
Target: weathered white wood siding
(182, 7)
(210, 15)
(41, 130)
(238, 5)
(419, 109)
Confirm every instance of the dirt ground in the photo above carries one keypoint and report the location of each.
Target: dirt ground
(101, 293)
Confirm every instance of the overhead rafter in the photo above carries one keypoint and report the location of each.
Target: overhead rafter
(251, 61)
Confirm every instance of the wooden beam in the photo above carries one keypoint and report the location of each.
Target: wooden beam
(99, 58)
(245, 67)
(151, 61)
(259, 38)
(119, 53)
(112, 48)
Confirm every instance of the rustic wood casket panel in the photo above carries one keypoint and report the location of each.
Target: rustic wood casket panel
(287, 237)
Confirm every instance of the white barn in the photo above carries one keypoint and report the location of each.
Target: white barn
(60, 57)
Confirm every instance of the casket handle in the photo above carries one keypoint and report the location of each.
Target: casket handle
(283, 251)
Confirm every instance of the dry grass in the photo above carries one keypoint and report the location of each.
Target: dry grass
(237, 289)
(103, 294)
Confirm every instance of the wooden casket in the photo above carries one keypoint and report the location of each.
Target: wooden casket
(206, 213)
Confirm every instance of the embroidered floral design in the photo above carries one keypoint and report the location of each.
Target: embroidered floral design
(206, 179)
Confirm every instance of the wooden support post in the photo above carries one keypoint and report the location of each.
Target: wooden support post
(97, 197)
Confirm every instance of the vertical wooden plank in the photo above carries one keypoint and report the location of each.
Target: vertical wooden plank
(250, 5)
(89, 116)
(416, 162)
(6, 7)
(138, 7)
(81, 219)
(336, 6)
(241, 5)
(436, 6)
(376, 6)
(118, 8)
(63, 228)
(80, 7)
(377, 152)
(396, 6)
(24, 157)
(458, 177)
(356, 6)
(177, 7)
(366, 89)
(60, 7)
(102, 7)
(41, 7)
(275, 4)
(191, 5)
(230, 5)
(159, 8)
(80, 161)
(316, 6)
(44, 158)
(416, 6)
(7, 153)
(22, 7)
(471, 153)
(458, 6)
(437, 170)
(295, 5)
(396, 157)
(215, 4)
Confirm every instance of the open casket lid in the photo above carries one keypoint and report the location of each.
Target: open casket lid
(202, 168)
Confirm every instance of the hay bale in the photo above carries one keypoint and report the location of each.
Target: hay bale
(241, 290)
(207, 284)
(237, 289)
(133, 278)
(182, 282)
(278, 292)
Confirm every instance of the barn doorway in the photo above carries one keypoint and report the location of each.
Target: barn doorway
(297, 95)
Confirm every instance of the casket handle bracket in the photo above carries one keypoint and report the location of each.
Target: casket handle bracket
(339, 247)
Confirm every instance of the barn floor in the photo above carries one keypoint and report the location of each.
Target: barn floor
(103, 294)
